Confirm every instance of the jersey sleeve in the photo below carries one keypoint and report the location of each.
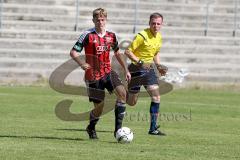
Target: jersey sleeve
(138, 40)
(114, 45)
(82, 41)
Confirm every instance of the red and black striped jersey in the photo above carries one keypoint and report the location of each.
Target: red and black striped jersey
(97, 52)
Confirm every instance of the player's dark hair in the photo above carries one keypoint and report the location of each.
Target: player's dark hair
(155, 15)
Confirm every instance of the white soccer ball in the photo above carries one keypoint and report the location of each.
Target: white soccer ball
(124, 135)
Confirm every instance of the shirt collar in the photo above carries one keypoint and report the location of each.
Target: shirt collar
(100, 35)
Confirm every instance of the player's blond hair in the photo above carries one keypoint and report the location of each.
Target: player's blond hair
(99, 12)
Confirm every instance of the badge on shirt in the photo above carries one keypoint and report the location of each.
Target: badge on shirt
(108, 39)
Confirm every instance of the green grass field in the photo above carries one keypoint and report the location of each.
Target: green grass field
(201, 124)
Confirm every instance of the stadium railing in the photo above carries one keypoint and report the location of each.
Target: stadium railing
(235, 24)
(135, 15)
(1, 8)
(207, 16)
(76, 18)
(235, 27)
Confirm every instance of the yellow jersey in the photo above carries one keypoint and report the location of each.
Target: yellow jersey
(145, 46)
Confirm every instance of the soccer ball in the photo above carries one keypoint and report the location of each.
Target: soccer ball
(124, 135)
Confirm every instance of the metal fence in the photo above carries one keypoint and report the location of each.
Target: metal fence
(1, 8)
(207, 17)
(235, 20)
(136, 10)
(77, 13)
(135, 16)
(208, 5)
(235, 27)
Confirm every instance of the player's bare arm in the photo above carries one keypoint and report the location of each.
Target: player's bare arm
(161, 68)
(75, 55)
(123, 64)
(131, 56)
(138, 61)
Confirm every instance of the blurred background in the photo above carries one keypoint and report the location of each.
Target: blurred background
(201, 38)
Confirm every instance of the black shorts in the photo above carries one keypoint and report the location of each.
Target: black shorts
(141, 76)
(96, 89)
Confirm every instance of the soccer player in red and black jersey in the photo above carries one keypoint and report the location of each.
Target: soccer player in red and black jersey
(97, 43)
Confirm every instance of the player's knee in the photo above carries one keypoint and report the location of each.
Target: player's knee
(122, 96)
(97, 113)
(156, 99)
(132, 102)
(132, 99)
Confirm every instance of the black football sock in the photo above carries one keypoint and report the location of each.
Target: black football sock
(154, 109)
(93, 121)
(119, 114)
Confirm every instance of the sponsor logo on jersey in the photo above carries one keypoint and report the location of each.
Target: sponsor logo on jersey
(101, 49)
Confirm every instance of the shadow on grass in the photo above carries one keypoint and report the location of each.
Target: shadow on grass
(58, 138)
(83, 130)
(41, 137)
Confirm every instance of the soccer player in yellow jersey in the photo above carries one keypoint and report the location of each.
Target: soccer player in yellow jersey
(144, 53)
